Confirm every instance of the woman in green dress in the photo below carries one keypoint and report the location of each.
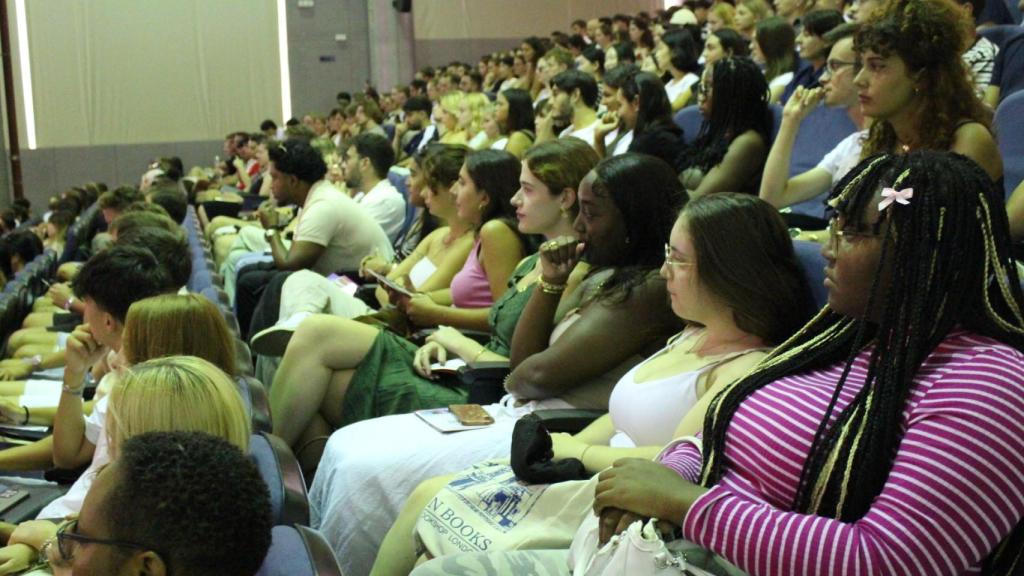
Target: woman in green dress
(338, 371)
(577, 334)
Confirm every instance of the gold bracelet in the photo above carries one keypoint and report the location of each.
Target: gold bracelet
(548, 288)
(584, 454)
(479, 354)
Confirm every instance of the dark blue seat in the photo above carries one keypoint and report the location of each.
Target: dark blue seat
(1008, 73)
(689, 119)
(820, 132)
(256, 403)
(1009, 126)
(776, 110)
(280, 470)
(299, 551)
(1000, 35)
(813, 263)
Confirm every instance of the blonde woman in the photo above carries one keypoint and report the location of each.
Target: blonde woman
(475, 110)
(175, 393)
(721, 15)
(154, 327)
(447, 112)
(748, 14)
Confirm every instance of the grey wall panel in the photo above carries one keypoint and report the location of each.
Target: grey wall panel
(435, 52)
(51, 170)
(311, 36)
(76, 166)
(314, 83)
(39, 176)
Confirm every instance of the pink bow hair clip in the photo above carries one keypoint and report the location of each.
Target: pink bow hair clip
(890, 195)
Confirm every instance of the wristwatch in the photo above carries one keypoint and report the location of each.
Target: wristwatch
(270, 233)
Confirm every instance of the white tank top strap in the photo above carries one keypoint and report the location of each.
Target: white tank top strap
(647, 413)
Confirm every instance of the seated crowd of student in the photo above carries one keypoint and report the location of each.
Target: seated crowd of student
(543, 210)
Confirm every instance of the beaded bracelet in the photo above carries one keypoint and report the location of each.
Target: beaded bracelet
(549, 288)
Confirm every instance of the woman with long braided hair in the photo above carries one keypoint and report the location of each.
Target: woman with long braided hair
(728, 153)
(887, 436)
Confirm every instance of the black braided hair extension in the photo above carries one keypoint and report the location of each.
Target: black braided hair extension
(945, 263)
(739, 96)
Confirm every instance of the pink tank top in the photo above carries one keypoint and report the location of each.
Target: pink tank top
(470, 288)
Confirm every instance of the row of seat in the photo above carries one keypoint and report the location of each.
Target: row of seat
(21, 291)
(296, 549)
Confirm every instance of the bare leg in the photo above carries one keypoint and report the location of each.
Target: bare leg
(222, 247)
(322, 345)
(32, 336)
(38, 320)
(68, 270)
(30, 350)
(13, 389)
(397, 554)
(44, 305)
(310, 446)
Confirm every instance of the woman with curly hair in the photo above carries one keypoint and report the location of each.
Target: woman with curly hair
(913, 91)
(913, 82)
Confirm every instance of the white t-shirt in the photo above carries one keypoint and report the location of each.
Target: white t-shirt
(95, 432)
(586, 134)
(622, 146)
(844, 156)
(676, 87)
(980, 59)
(344, 227)
(386, 205)
(782, 80)
(428, 135)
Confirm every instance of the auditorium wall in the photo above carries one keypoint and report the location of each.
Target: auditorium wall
(448, 30)
(118, 82)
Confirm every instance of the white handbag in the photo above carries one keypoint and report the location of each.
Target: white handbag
(640, 550)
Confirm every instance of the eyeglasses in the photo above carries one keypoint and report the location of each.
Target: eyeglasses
(68, 540)
(837, 234)
(673, 262)
(833, 66)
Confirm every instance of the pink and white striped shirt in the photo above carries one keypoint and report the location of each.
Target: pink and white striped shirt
(955, 490)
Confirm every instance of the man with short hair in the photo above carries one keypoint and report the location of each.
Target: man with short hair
(837, 91)
(269, 128)
(573, 102)
(107, 285)
(416, 132)
(620, 23)
(980, 57)
(173, 503)
(553, 63)
(333, 233)
(113, 202)
(580, 27)
(471, 82)
(368, 118)
(365, 169)
(316, 123)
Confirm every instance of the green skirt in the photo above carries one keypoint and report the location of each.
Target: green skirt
(386, 383)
